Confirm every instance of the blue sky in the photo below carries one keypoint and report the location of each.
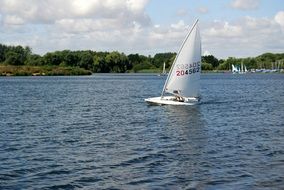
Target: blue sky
(164, 11)
(238, 28)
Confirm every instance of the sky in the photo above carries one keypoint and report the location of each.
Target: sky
(229, 28)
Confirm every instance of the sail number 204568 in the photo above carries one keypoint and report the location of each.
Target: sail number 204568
(187, 69)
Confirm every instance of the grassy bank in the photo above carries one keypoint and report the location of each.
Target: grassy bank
(9, 70)
(149, 71)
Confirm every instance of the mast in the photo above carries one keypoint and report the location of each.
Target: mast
(164, 88)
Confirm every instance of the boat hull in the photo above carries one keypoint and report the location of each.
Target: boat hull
(171, 100)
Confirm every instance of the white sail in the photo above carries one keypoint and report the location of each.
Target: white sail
(184, 76)
(234, 69)
(164, 69)
(238, 69)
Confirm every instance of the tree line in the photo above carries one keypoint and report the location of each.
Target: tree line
(116, 62)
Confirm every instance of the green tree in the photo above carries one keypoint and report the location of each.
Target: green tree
(161, 58)
(86, 60)
(231, 61)
(134, 59)
(52, 58)
(211, 60)
(206, 66)
(35, 60)
(13, 58)
(143, 66)
(71, 59)
(223, 65)
(117, 62)
(3, 50)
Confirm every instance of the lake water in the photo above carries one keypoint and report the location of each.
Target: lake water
(96, 132)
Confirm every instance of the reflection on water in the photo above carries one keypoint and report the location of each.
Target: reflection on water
(190, 129)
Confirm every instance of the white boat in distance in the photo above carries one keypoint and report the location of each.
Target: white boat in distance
(183, 81)
(164, 72)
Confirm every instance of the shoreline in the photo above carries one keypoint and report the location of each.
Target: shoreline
(10, 70)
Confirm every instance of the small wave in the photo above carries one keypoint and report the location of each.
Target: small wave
(89, 180)
(141, 181)
(63, 186)
(55, 172)
(141, 159)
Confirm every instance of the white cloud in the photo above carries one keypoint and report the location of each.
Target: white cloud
(279, 18)
(136, 6)
(179, 25)
(49, 11)
(85, 7)
(28, 11)
(245, 4)
(124, 25)
(225, 29)
(206, 52)
(90, 25)
(13, 20)
(244, 37)
(75, 24)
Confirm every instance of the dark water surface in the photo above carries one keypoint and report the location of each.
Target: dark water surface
(96, 132)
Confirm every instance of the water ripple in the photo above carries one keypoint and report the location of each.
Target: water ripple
(96, 132)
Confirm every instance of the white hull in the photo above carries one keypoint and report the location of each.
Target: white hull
(171, 100)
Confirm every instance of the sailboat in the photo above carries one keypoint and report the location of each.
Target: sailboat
(164, 72)
(183, 81)
(234, 69)
(242, 68)
(245, 70)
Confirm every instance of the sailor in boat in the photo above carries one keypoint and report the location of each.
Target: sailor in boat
(177, 96)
